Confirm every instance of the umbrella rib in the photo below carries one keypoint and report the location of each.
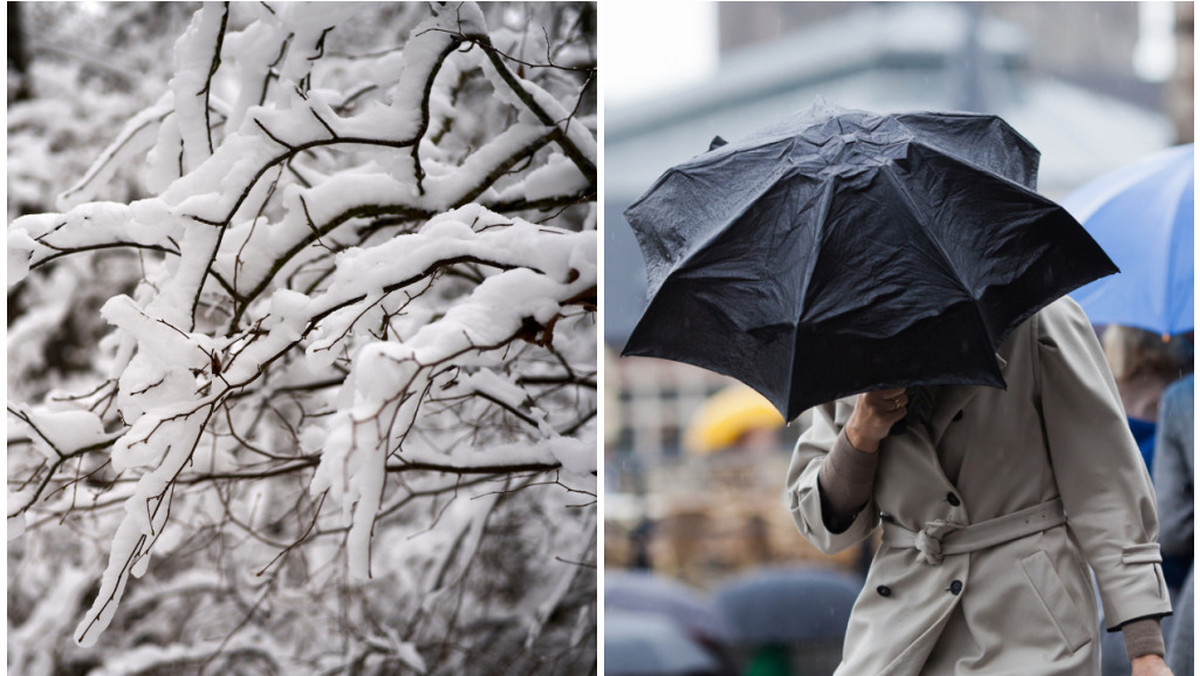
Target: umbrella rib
(908, 204)
(762, 189)
(806, 283)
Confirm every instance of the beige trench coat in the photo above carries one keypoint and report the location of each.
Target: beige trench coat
(1025, 606)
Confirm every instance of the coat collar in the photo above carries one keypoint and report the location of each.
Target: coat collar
(950, 401)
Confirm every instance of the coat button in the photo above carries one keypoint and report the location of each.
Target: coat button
(953, 499)
(955, 587)
(958, 416)
(884, 590)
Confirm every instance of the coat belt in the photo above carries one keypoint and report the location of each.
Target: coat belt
(939, 538)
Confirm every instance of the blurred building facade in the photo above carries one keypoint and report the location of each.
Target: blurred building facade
(1181, 90)
(1086, 43)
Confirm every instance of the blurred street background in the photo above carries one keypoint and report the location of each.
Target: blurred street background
(694, 462)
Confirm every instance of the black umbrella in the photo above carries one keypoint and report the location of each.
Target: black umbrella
(650, 592)
(844, 251)
(644, 643)
(788, 605)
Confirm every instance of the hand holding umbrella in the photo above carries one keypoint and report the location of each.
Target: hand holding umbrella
(874, 415)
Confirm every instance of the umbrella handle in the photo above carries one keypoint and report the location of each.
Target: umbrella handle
(899, 428)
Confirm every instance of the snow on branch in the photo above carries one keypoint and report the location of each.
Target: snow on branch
(353, 331)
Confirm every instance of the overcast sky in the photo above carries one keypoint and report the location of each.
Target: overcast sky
(650, 47)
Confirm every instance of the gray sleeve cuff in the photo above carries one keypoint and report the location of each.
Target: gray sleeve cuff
(1143, 637)
(847, 479)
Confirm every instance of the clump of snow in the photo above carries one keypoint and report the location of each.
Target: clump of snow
(256, 47)
(289, 306)
(20, 250)
(163, 164)
(559, 176)
(58, 433)
(127, 545)
(576, 455)
(195, 53)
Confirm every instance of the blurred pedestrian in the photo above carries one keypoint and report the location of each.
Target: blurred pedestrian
(1174, 472)
(993, 505)
(1143, 364)
(639, 544)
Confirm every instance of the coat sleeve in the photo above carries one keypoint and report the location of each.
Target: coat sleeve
(1105, 488)
(1173, 470)
(804, 497)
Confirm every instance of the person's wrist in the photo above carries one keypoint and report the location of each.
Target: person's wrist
(863, 442)
(1148, 665)
(1143, 637)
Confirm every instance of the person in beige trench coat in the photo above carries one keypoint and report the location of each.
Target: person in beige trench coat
(992, 513)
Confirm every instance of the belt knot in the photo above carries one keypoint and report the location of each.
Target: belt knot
(929, 540)
(931, 544)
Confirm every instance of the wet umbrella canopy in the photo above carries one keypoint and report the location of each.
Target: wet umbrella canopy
(843, 251)
(649, 592)
(645, 643)
(787, 605)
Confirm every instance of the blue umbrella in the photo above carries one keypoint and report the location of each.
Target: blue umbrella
(646, 591)
(789, 605)
(1142, 216)
(648, 643)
